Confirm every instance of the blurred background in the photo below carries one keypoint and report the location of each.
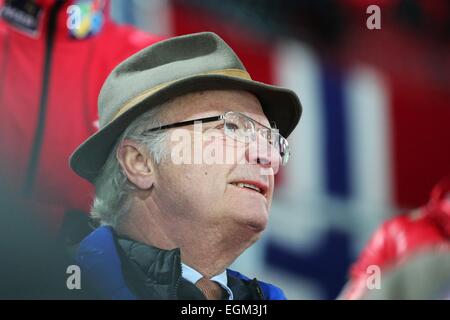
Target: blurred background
(375, 133)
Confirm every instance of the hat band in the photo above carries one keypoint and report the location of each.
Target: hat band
(236, 73)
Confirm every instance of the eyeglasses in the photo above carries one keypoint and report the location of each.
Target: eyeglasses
(242, 128)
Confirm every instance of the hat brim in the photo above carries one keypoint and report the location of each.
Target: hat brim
(280, 105)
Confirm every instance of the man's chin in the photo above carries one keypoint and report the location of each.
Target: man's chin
(255, 224)
(256, 227)
(249, 221)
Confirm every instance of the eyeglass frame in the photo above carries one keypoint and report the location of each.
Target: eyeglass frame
(223, 117)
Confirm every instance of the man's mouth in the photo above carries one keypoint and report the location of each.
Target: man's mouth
(251, 186)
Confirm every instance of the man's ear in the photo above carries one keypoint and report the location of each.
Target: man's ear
(136, 164)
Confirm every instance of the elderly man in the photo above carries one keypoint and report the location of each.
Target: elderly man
(183, 166)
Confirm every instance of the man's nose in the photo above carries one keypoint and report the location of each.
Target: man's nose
(260, 151)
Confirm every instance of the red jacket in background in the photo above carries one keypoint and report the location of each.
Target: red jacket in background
(427, 228)
(49, 83)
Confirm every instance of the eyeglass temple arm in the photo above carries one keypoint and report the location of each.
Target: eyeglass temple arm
(184, 123)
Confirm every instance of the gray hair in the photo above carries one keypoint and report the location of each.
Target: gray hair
(113, 190)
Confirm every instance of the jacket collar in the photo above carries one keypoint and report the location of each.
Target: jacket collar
(121, 268)
(150, 272)
(154, 273)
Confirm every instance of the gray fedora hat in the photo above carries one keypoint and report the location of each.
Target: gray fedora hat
(165, 70)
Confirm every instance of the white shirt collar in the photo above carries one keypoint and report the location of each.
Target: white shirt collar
(192, 275)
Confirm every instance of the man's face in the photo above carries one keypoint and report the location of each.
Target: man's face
(209, 195)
